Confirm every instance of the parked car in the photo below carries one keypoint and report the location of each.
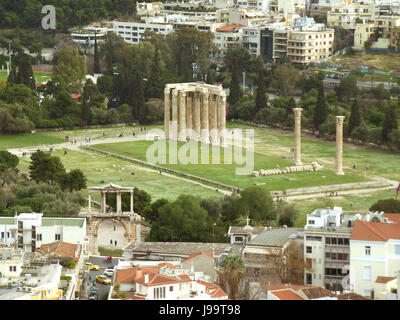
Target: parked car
(109, 272)
(93, 295)
(103, 279)
(92, 266)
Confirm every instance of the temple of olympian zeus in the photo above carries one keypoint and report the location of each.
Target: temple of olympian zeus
(195, 111)
(339, 141)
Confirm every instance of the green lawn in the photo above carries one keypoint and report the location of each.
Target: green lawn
(158, 186)
(226, 173)
(39, 76)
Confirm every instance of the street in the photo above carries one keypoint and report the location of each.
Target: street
(90, 278)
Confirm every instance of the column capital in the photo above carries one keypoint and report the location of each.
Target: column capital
(166, 91)
(206, 94)
(297, 111)
(182, 93)
(340, 120)
(174, 92)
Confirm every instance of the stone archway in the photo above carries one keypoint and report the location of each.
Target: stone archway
(112, 234)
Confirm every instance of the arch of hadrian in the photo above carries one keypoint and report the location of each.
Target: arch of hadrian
(195, 111)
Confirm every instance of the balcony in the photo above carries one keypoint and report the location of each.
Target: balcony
(337, 248)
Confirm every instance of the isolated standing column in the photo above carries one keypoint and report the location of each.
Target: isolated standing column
(205, 137)
(222, 119)
(339, 145)
(297, 136)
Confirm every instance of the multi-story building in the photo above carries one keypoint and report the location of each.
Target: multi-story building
(327, 248)
(374, 252)
(86, 36)
(362, 33)
(252, 40)
(262, 5)
(132, 32)
(395, 38)
(385, 28)
(29, 231)
(11, 262)
(348, 15)
(308, 45)
(228, 36)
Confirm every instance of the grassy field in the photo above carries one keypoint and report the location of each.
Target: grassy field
(226, 173)
(158, 186)
(39, 76)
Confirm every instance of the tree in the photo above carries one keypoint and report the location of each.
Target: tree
(387, 206)
(257, 203)
(261, 100)
(74, 180)
(25, 73)
(155, 83)
(96, 65)
(284, 79)
(7, 161)
(234, 89)
(347, 88)
(355, 117)
(12, 77)
(291, 264)
(70, 68)
(321, 112)
(390, 122)
(213, 206)
(45, 168)
(231, 275)
(286, 214)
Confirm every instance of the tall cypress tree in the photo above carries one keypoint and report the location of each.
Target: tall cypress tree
(261, 100)
(155, 83)
(234, 89)
(138, 103)
(25, 73)
(390, 122)
(12, 77)
(355, 116)
(321, 112)
(96, 66)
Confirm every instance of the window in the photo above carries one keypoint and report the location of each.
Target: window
(58, 237)
(367, 273)
(327, 240)
(171, 288)
(309, 249)
(13, 268)
(39, 237)
(311, 222)
(367, 250)
(397, 248)
(2, 235)
(309, 278)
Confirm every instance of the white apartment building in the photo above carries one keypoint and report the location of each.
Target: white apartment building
(132, 32)
(262, 5)
(318, 4)
(346, 16)
(374, 253)
(29, 231)
(310, 44)
(87, 35)
(291, 6)
(252, 40)
(228, 36)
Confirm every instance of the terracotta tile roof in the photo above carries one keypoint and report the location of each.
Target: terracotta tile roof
(317, 292)
(213, 290)
(375, 231)
(194, 255)
(395, 217)
(230, 27)
(156, 279)
(184, 277)
(384, 279)
(351, 296)
(166, 264)
(279, 286)
(130, 275)
(61, 249)
(286, 294)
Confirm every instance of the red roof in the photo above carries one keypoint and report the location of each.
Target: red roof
(194, 255)
(384, 279)
(375, 231)
(166, 264)
(230, 27)
(130, 275)
(213, 290)
(395, 217)
(286, 294)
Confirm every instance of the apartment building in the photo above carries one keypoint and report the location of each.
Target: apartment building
(86, 36)
(327, 248)
(132, 32)
(262, 5)
(318, 4)
(310, 44)
(228, 36)
(348, 15)
(388, 27)
(362, 33)
(29, 231)
(252, 40)
(374, 253)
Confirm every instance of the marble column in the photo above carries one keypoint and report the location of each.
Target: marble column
(189, 110)
(205, 137)
(222, 119)
(339, 145)
(174, 113)
(119, 207)
(297, 136)
(90, 202)
(182, 116)
(197, 114)
(131, 211)
(167, 106)
(212, 116)
(103, 202)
